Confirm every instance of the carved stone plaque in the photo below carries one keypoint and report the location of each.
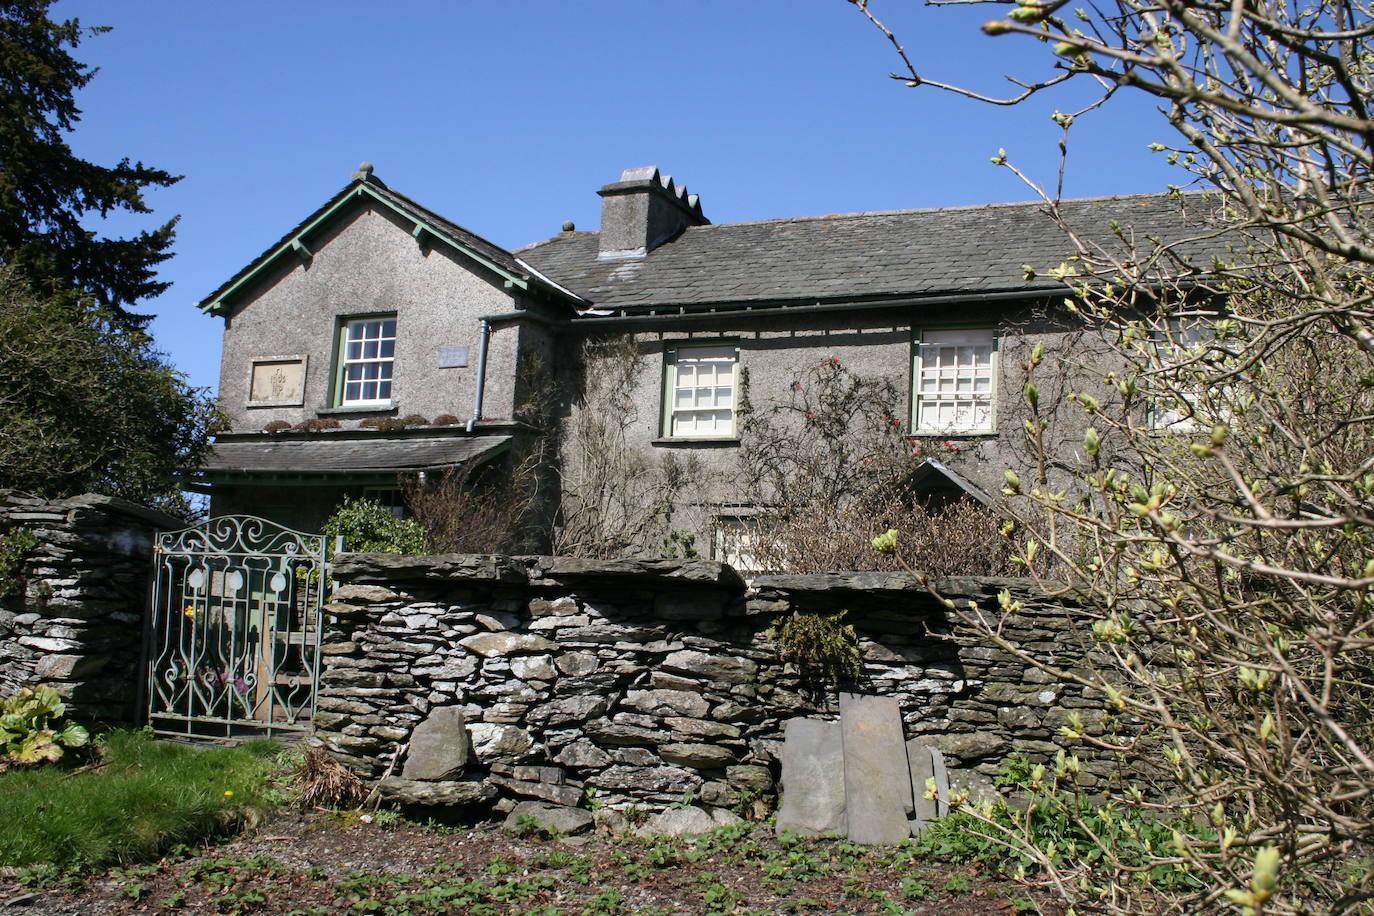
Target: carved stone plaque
(277, 382)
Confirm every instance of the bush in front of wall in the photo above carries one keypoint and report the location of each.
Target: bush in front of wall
(367, 526)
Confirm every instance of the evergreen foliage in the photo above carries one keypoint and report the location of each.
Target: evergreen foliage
(46, 190)
(88, 405)
(369, 527)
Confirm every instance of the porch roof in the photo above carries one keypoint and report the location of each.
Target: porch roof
(325, 455)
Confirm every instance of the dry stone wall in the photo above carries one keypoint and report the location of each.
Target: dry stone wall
(72, 615)
(641, 681)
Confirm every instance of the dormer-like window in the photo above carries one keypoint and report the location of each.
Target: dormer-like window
(367, 352)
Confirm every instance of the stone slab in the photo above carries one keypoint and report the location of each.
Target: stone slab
(877, 777)
(439, 746)
(444, 793)
(558, 819)
(922, 769)
(812, 778)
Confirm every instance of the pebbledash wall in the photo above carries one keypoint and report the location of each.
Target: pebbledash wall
(73, 618)
(643, 680)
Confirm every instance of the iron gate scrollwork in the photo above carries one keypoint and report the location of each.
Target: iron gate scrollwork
(234, 628)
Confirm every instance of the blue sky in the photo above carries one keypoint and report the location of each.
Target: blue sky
(506, 117)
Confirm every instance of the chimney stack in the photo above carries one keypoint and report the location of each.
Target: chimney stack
(642, 211)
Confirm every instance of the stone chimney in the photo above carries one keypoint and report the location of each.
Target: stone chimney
(642, 211)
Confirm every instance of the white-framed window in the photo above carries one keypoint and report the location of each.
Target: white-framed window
(954, 381)
(390, 497)
(735, 542)
(699, 391)
(367, 353)
(1186, 353)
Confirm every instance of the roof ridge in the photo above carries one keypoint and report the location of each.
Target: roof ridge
(554, 238)
(961, 207)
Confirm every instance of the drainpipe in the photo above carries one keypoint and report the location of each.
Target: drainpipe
(481, 374)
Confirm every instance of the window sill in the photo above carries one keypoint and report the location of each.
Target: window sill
(951, 434)
(356, 408)
(680, 441)
(259, 405)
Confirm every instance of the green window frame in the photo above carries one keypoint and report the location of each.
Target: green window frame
(700, 389)
(366, 361)
(954, 373)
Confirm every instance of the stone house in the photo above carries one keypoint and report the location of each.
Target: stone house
(377, 338)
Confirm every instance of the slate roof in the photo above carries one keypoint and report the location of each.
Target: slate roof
(328, 454)
(858, 256)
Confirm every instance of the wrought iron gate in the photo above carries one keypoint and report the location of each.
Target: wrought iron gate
(234, 630)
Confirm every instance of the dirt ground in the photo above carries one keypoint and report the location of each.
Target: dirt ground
(323, 863)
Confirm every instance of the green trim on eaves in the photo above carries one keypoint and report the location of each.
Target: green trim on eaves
(295, 245)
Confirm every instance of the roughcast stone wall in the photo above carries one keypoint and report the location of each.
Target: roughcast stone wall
(74, 617)
(640, 681)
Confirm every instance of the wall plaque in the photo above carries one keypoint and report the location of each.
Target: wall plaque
(277, 381)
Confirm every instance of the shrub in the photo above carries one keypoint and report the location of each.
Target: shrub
(29, 732)
(15, 545)
(823, 647)
(446, 419)
(831, 463)
(276, 426)
(367, 526)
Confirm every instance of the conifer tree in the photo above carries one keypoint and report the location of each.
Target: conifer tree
(46, 190)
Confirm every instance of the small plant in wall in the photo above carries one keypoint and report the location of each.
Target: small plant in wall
(15, 545)
(824, 648)
(29, 731)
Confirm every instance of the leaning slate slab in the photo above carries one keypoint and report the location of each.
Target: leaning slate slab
(877, 779)
(439, 746)
(927, 764)
(812, 778)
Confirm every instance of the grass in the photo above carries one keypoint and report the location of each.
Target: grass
(140, 799)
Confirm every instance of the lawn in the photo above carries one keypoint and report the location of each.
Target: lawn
(135, 800)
